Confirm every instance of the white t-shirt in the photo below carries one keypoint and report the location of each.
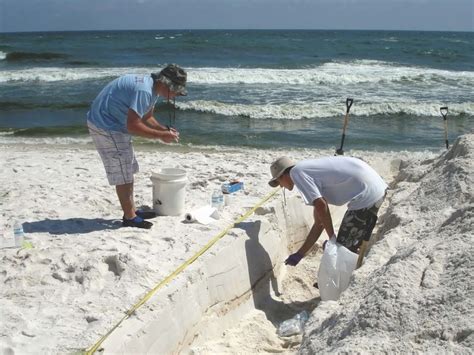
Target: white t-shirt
(339, 180)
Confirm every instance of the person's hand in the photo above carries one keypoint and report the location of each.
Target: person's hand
(170, 136)
(176, 132)
(294, 259)
(172, 129)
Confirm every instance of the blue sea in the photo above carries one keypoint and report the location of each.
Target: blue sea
(249, 88)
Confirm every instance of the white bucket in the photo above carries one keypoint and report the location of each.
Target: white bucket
(169, 191)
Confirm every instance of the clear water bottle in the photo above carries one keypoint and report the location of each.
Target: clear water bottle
(221, 199)
(294, 325)
(18, 234)
(217, 199)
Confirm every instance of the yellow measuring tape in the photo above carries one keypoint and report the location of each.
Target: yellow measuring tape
(171, 276)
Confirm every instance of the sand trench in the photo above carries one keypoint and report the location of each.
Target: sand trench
(237, 279)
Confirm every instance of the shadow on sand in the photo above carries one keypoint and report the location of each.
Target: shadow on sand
(71, 225)
(258, 259)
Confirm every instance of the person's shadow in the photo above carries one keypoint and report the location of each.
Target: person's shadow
(262, 277)
(71, 225)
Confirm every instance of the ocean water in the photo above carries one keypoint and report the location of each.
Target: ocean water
(263, 89)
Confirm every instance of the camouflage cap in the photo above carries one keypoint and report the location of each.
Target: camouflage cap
(174, 77)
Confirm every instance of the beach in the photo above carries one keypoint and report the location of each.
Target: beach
(82, 282)
(84, 271)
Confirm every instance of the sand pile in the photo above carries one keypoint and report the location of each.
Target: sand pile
(415, 291)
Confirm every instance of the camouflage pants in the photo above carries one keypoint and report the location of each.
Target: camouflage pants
(357, 226)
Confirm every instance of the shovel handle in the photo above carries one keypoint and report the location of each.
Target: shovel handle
(346, 118)
(444, 113)
(362, 251)
(349, 103)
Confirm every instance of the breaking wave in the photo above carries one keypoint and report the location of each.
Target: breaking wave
(334, 73)
(298, 111)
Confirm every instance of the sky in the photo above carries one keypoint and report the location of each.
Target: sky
(72, 15)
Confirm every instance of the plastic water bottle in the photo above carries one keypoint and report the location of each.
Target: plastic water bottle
(294, 325)
(217, 199)
(221, 199)
(18, 234)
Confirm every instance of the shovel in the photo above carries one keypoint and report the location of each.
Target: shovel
(444, 113)
(346, 120)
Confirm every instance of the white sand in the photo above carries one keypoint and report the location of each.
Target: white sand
(85, 272)
(415, 293)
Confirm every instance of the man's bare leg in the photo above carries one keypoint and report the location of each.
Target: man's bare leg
(125, 195)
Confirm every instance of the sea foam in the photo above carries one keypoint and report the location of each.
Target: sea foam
(334, 73)
(296, 111)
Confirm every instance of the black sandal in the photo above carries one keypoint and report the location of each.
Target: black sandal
(136, 222)
(144, 214)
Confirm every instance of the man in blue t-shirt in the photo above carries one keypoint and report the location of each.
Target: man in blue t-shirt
(335, 181)
(125, 108)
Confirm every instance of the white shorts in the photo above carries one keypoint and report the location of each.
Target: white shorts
(116, 152)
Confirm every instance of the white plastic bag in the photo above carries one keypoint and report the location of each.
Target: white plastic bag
(335, 270)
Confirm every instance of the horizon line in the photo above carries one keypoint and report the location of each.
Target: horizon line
(237, 29)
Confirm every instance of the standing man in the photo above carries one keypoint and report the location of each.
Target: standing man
(125, 108)
(336, 181)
